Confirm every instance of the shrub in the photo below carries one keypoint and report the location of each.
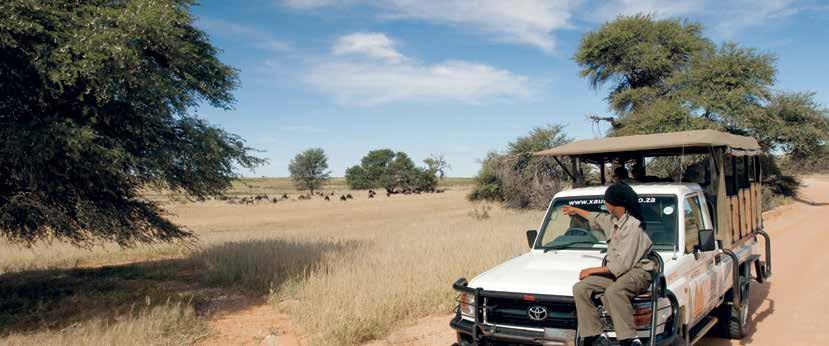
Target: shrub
(518, 179)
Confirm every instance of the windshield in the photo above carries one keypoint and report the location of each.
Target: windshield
(560, 231)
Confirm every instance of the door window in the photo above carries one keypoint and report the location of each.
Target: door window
(693, 223)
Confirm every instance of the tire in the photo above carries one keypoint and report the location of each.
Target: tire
(734, 324)
(679, 340)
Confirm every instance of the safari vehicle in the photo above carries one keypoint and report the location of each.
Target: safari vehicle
(705, 243)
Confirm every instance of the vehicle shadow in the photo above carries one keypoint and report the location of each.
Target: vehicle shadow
(759, 312)
(205, 281)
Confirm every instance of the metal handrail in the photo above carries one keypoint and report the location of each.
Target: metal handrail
(657, 277)
(735, 277)
(768, 251)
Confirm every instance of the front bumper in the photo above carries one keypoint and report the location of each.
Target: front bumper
(551, 337)
(470, 332)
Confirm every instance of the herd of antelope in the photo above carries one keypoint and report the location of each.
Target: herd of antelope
(329, 196)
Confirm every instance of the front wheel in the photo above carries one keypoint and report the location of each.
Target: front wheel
(733, 323)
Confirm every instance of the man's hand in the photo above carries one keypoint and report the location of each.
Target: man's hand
(585, 273)
(594, 271)
(571, 210)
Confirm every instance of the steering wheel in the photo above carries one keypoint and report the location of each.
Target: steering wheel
(576, 231)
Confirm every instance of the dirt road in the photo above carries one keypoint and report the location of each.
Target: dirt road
(790, 310)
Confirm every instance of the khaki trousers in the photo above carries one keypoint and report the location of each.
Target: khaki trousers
(616, 299)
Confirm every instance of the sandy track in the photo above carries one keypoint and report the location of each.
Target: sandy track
(792, 308)
(789, 310)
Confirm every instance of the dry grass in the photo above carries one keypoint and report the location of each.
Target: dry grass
(405, 273)
(346, 272)
(171, 324)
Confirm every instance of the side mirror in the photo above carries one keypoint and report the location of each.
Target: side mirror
(531, 234)
(706, 240)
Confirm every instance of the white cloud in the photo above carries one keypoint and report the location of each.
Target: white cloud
(375, 45)
(368, 81)
(742, 14)
(259, 38)
(529, 22)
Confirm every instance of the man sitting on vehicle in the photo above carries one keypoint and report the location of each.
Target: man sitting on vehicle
(627, 272)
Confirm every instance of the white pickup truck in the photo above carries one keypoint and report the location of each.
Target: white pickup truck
(705, 261)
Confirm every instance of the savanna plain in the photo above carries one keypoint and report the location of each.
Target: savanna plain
(298, 271)
(308, 272)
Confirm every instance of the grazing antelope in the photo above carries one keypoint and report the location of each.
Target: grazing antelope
(342, 198)
(327, 199)
(349, 196)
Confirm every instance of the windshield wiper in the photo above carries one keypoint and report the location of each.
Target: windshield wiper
(566, 245)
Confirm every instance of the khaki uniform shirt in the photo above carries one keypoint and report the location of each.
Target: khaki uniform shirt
(627, 244)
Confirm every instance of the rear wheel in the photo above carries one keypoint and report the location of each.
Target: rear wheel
(679, 340)
(733, 322)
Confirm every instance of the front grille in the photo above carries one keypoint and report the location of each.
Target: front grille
(515, 312)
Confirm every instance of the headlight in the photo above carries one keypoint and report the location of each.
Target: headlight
(466, 304)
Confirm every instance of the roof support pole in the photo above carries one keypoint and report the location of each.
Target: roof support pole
(565, 169)
(601, 171)
(577, 181)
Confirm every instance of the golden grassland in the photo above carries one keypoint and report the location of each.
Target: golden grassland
(345, 272)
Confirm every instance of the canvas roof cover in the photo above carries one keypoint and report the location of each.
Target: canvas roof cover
(660, 141)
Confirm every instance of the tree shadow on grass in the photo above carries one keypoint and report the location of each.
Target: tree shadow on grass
(247, 270)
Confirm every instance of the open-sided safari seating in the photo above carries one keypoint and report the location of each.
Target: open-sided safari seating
(731, 178)
(725, 171)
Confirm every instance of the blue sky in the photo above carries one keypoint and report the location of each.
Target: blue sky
(452, 76)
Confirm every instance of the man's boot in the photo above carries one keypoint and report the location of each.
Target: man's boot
(630, 342)
(588, 341)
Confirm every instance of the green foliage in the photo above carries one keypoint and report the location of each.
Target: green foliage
(538, 139)
(799, 127)
(639, 54)
(309, 169)
(387, 169)
(94, 107)
(487, 185)
(519, 179)
(668, 77)
(663, 116)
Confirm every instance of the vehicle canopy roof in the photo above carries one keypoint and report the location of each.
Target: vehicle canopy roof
(661, 144)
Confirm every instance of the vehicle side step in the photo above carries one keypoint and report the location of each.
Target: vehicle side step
(702, 328)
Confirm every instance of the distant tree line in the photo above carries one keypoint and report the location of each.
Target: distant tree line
(395, 172)
(383, 168)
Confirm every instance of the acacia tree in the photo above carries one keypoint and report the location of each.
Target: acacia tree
(95, 100)
(309, 169)
(390, 170)
(665, 76)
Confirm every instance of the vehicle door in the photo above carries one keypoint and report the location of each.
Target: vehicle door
(703, 278)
